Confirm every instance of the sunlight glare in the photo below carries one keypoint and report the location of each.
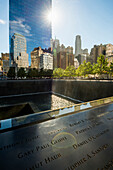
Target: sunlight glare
(49, 16)
(52, 16)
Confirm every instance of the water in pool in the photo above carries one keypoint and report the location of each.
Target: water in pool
(28, 104)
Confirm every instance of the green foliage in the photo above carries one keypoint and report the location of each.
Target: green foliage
(49, 73)
(79, 71)
(46, 73)
(70, 71)
(21, 73)
(102, 65)
(84, 69)
(58, 72)
(111, 69)
(11, 72)
(32, 73)
(95, 68)
(89, 68)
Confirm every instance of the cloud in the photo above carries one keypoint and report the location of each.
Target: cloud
(2, 21)
(18, 25)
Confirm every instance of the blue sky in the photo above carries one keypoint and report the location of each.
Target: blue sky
(29, 19)
(92, 19)
(4, 26)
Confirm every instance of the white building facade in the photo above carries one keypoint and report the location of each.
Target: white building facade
(46, 61)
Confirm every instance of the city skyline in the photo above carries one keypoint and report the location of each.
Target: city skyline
(91, 20)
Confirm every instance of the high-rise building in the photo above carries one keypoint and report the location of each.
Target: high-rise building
(30, 19)
(84, 51)
(5, 56)
(18, 50)
(41, 58)
(55, 44)
(78, 45)
(109, 50)
(35, 57)
(96, 51)
(62, 56)
(109, 53)
(5, 62)
(65, 57)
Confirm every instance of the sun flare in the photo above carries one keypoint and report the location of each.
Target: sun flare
(50, 16)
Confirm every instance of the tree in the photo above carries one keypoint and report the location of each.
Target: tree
(21, 73)
(33, 73)
(102, 65)
(79, 70)
(49, 73)
(70, 71)
(82, 69)
(95, 69)
(89, 68)
(11, 72)
(58, 72)
(111, 69)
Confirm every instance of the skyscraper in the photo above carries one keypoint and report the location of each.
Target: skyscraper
(78, 45)
(55, 46)
(65, 57)
(18, 45)
(18, 50)
(30, 19)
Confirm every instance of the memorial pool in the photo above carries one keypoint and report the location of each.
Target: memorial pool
(32, 103)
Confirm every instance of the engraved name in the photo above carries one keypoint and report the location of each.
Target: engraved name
(46, 161)
(42, 147)
(88, 128)
(55, 131)
(107, 166)
(53, 142)
(27, 140)
(52, 158)
(79, 122)
(92, 138)
(25, 154)
(87, 157)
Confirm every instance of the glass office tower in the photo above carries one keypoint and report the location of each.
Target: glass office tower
(29, 19)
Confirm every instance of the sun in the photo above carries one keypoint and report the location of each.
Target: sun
(50, 16)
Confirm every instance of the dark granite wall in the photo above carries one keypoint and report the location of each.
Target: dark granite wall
(83, 90)
(15, 87)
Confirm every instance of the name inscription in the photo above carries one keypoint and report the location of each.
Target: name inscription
(87, 157)
(46, 161)
(28, 153)
(107, 166)
(92, 138)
